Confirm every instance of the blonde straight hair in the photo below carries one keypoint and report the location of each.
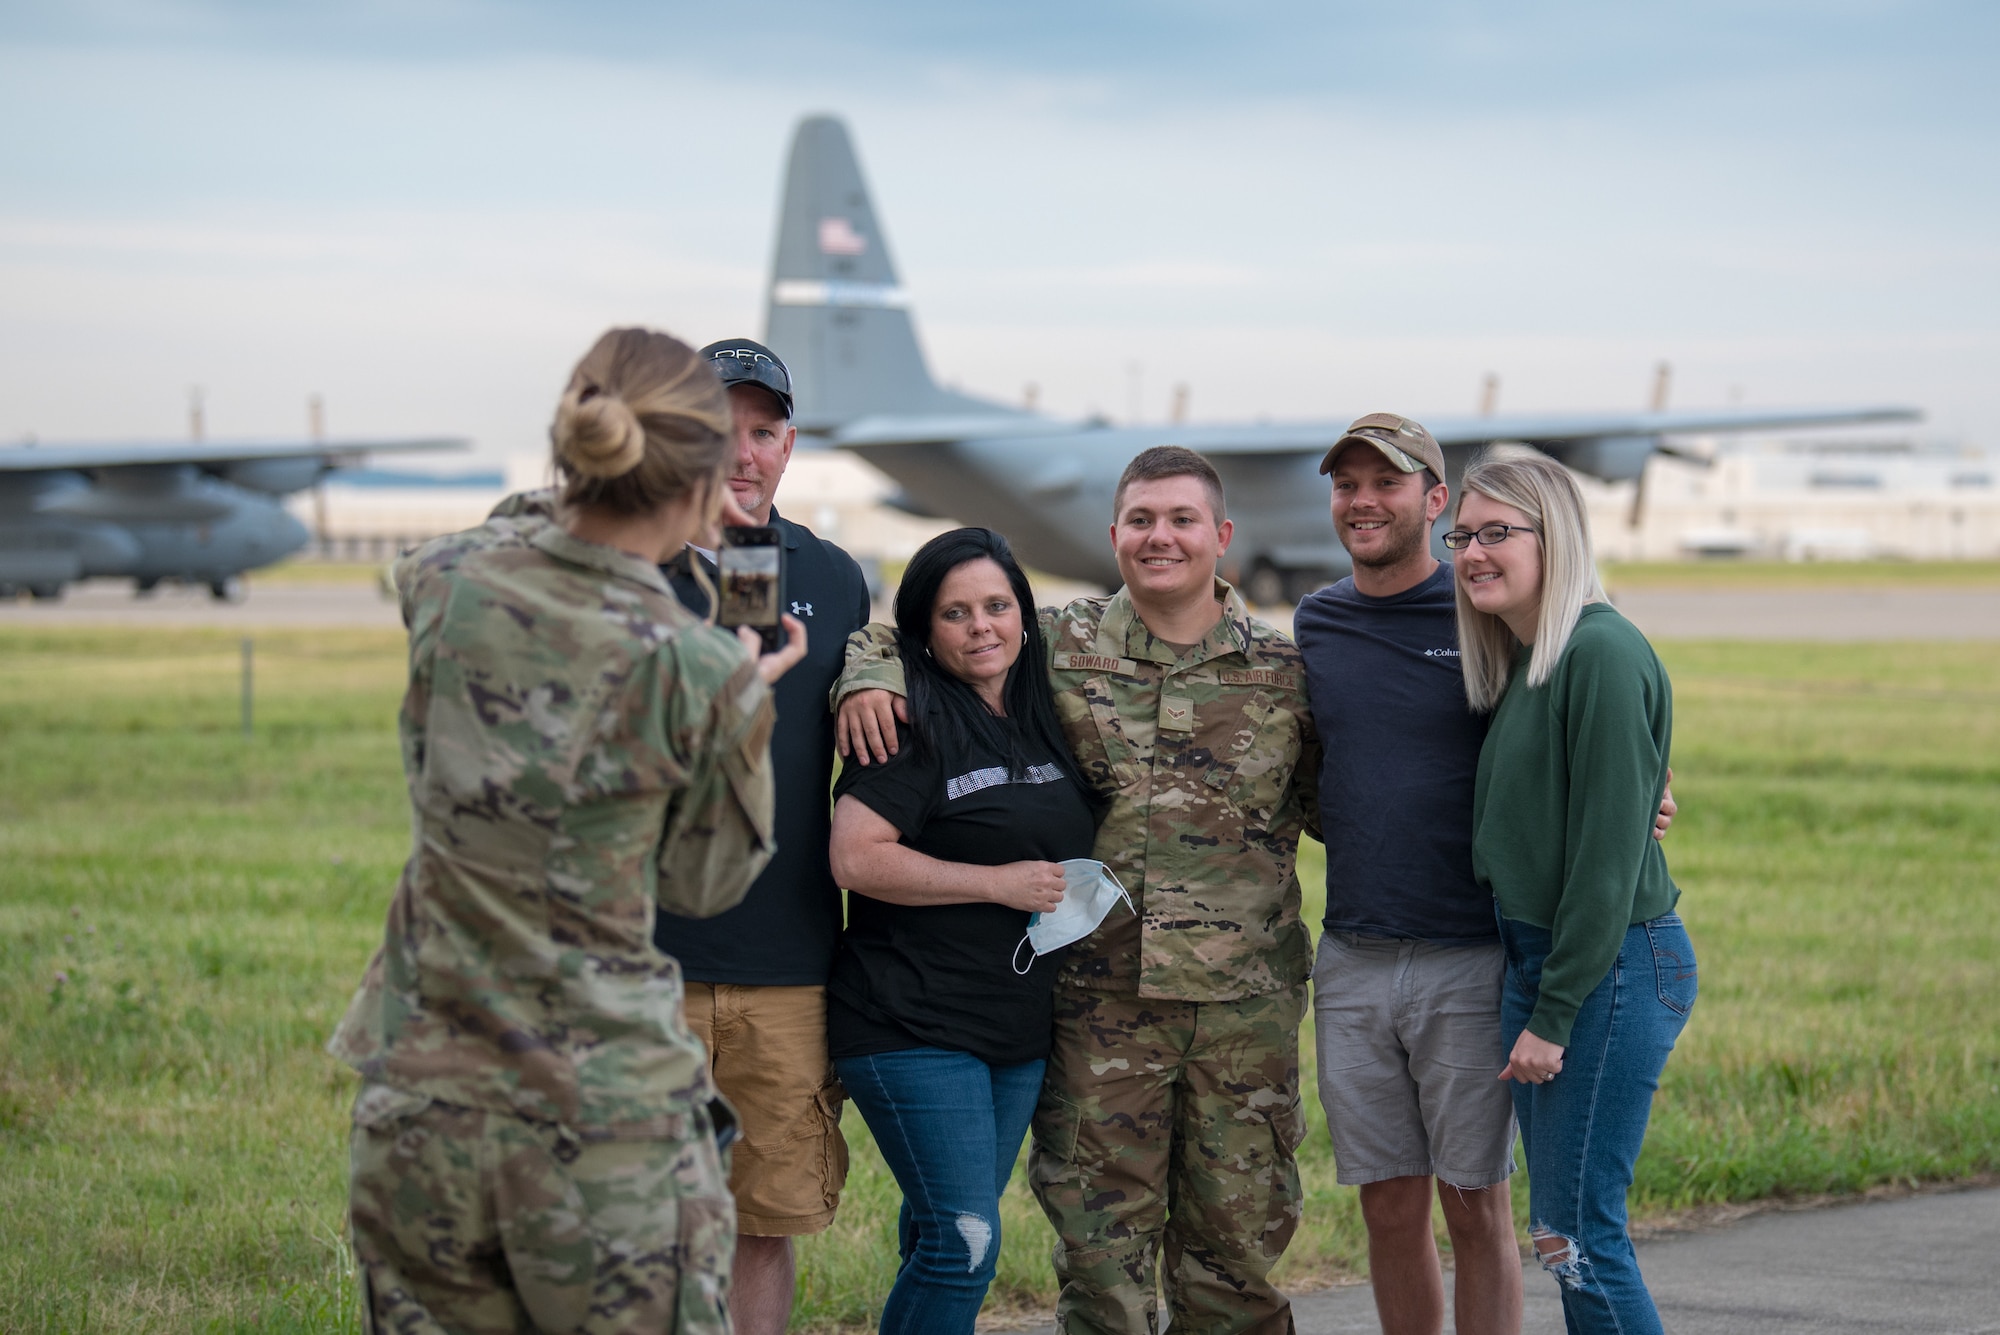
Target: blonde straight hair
(1544, 491)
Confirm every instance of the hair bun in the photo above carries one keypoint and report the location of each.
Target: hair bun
(598, 434)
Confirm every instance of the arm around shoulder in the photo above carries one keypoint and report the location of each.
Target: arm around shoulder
(874, 662)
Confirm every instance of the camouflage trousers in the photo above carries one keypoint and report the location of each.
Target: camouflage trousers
(1169, 1127)
(478, 1223)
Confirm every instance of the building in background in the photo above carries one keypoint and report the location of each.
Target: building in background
(1805, 500)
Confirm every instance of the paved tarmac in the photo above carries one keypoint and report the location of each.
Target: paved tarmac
(104, 602)
(1815, 614)
(1923, 1265)
(1832, 615)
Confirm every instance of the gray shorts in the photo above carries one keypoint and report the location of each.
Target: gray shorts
(1409, 1051)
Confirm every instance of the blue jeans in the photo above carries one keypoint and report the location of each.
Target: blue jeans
(1582, 1130)
(950, 1127)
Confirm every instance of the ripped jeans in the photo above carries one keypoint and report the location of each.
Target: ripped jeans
(1582, 1130)
(950, 1127)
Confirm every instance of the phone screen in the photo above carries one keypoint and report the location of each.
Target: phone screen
(750, 570)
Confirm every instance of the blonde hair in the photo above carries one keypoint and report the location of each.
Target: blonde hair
(1544, 491)
(643, 421)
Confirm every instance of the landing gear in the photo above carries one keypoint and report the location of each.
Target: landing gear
(229, 590)
(46, 593)
(145, 588)
(1302, 584)
(1266, 585)
(1273, 586)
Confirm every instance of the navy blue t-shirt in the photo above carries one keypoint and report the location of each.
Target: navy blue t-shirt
(1401, 752)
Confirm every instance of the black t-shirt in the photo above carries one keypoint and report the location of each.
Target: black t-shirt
(1401, 751)
(783, 932)
(942, 975)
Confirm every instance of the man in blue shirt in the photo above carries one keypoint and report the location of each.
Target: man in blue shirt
(1406, 986)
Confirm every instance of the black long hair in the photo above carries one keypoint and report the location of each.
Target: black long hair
(946, 715)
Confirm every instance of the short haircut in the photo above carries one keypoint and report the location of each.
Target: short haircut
(1165, 461)
(1547, 494)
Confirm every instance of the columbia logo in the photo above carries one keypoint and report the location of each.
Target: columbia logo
(1441, 653)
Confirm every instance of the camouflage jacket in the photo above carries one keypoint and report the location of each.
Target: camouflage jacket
(577, 746)
(1210, 763)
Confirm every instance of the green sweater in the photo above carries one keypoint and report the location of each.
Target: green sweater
(1569, 783)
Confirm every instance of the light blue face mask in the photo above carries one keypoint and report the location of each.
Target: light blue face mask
(1090, 892)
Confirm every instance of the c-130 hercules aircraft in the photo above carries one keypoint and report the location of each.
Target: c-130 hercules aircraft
(194, 511)
(839, 317)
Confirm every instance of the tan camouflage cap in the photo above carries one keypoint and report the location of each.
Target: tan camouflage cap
(1403, 442)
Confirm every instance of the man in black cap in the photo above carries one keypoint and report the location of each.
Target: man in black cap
(756, 975)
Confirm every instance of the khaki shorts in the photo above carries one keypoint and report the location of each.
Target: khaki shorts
(767, 1050)
(1409, 1051)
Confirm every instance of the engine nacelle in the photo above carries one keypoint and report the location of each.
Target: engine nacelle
(1611, 458)
(275, 477)
(172, 494)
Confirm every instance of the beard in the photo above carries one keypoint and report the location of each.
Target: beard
(1406, 537)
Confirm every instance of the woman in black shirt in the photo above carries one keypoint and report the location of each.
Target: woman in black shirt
(947, 851)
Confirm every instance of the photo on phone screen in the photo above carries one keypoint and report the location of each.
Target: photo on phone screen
(750, 573)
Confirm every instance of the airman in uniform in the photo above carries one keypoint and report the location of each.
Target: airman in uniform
(535, 1141)
(1171, 1110)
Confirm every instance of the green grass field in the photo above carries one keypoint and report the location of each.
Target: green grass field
(185, 914)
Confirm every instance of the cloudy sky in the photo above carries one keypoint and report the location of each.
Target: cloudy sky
(425, 209)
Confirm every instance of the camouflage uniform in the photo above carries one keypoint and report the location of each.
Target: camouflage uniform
(532, 1142)
(1171, 1110)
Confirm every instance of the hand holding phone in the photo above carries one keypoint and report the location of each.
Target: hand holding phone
(750, 568)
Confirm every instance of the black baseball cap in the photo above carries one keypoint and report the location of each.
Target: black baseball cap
(739, 361)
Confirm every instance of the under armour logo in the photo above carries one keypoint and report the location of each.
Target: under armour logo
(802, 609)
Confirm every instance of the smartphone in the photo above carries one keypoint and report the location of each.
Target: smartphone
(751, 570)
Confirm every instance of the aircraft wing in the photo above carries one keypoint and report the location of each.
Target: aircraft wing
(892, 429)
(1558, 428)
(1555, 429)
(139, 454)
(1279, 438)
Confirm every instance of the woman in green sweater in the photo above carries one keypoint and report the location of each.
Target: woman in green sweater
(1600, 973)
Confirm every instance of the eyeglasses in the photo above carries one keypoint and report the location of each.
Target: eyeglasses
(1488, 534)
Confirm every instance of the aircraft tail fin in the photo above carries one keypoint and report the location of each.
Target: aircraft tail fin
(836, 312)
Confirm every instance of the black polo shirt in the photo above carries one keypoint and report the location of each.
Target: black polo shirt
(785, 930)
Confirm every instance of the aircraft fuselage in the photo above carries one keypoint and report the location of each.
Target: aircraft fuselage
(173, 522)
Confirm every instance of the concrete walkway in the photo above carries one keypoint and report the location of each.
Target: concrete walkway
(1924, 1265)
